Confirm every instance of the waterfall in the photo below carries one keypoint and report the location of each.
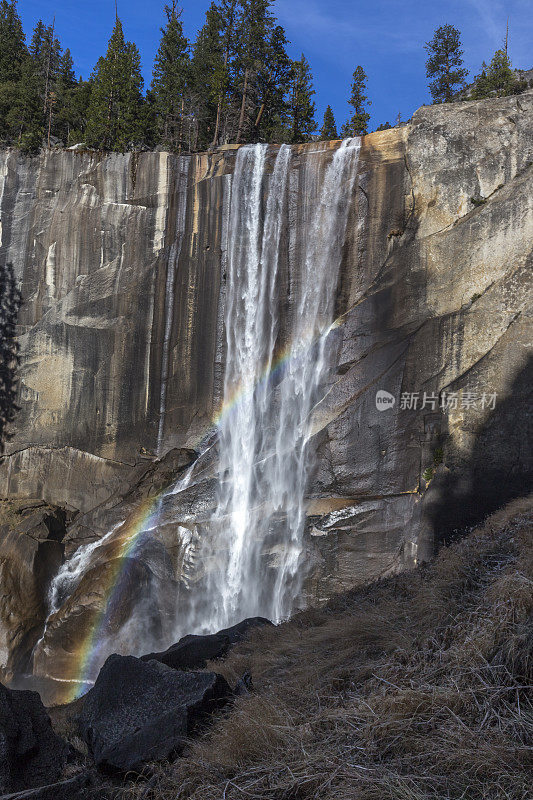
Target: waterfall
(244, 558)
(264, 434)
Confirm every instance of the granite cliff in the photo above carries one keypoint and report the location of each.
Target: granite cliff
(122, 263)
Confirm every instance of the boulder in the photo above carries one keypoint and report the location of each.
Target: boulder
(30, 753)
(193, 652)
(142, 711)
(239, 631)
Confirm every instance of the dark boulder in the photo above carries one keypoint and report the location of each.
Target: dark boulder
(240, 631)
(142, 711)
(31, 754)
(193, 652)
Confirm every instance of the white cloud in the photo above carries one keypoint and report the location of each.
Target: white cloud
(317, 26)
(492, 18)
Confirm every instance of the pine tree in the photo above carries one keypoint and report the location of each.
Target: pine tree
(72, 101)
(228, 11)
(302, 107)
(114, 122)
(384, 126)
(38, 43)
(357, 125)
(14, 60)
(28, 112)
(208, 77)
(496, 80)
(13, 51)
(35, 100)
(45, 52)
(253, 35)
(445, 64)
(170, 77)
(10, 302)
(329, 128)
(274, 84)
(482, 86)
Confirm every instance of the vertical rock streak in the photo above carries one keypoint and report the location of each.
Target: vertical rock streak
(265, 457)
(173, 260)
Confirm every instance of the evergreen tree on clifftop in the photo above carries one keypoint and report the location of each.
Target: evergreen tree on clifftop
(253, 32)
(13, 52)
(301, 105)
(357, 125)
(115, 117)
(228, 15)
(170, 79)
(496, 80)
(13, 61)
(329, 128)
(272, 121)
(208, 78)
(445, 64)
(72, 102)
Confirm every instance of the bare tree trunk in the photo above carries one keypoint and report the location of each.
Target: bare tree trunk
(243, 108)
(181, 126)
(50, 45)
(295, 119)
(260, 115)
(51, 104)
(217, 124)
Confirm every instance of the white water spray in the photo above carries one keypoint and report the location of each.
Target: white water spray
(265, 458)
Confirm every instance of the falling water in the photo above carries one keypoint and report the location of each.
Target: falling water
(265, 456)
(246, 560)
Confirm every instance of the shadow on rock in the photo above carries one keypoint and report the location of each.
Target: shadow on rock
(30, 752)
(499, 469)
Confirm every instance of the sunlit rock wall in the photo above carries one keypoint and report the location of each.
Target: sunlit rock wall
(121, 259)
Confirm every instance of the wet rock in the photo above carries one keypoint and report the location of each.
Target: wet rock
(31, 551)
(141, 711)
(31, 754)
(148, 480)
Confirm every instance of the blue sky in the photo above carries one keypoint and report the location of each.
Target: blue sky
(385, 36)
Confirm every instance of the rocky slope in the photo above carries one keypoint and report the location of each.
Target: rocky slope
(122, 265)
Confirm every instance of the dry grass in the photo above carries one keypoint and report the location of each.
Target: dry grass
(416, 688)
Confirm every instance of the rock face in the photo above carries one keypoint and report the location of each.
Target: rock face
(31, 552)
(30, 752)
(122, 263)
(139, 712)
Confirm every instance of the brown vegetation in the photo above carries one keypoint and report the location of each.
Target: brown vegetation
(416, 687)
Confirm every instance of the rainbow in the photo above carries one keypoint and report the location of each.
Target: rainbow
(133, 533)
